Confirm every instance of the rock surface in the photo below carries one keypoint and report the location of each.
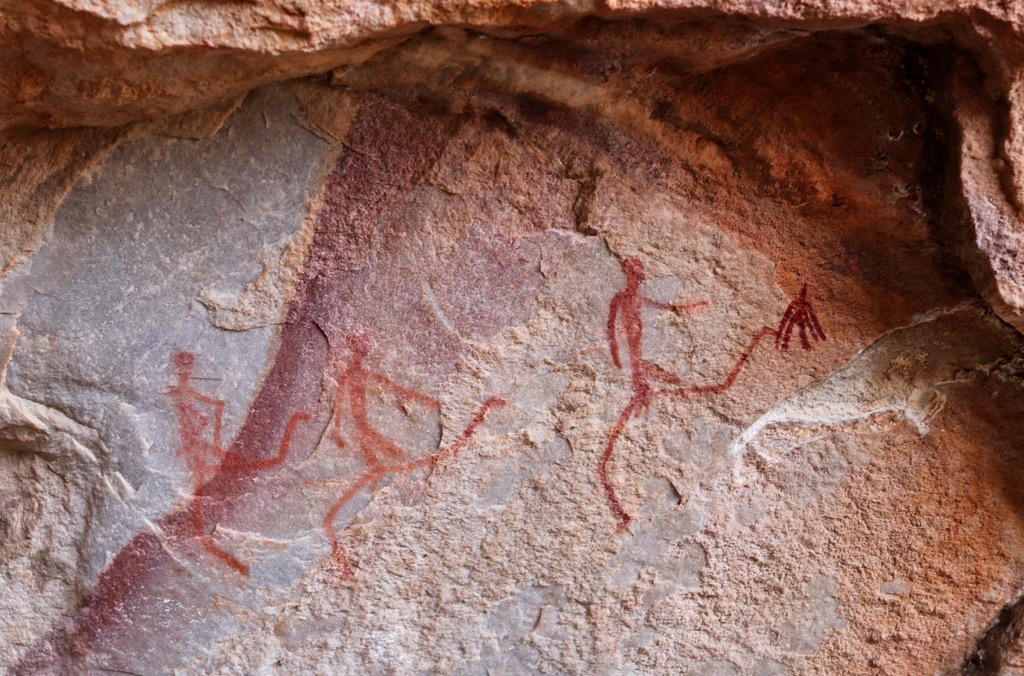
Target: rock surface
(650, 341)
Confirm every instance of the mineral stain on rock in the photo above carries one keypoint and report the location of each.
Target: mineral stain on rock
(406, 461)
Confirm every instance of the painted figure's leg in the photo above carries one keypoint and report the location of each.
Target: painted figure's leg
(602, 469)
(339, 556)
(206, 541)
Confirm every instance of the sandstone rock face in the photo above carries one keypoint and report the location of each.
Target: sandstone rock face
(547, 339)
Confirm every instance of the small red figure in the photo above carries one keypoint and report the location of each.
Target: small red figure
(198, 452)
(202, 455)
(626, 307)
(373, 446)
(627, 304)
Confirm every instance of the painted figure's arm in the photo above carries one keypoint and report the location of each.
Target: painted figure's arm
(282, 451)
(613, 344)
(404, 393)
(741, 361)
(339, 397)
(218, 416)
(677, 309)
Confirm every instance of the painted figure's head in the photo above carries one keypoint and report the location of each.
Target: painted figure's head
(359, 344)
(634, 269)
(183, 365)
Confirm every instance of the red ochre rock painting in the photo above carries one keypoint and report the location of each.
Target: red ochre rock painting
(354, 264)
(202, 457)
(372, 445)
(625, 314)
(207, 458)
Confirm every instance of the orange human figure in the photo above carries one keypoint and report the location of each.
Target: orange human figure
(200, 446)
(372, 445)
(625, 309)
(198, 451)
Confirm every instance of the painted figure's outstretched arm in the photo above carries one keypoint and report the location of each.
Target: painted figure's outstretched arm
(741, 361)
(404, 393)
(677, 309)
(467, 434)
(613, 344)
(282, 451)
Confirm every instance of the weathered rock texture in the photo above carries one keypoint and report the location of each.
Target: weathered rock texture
(544, 339)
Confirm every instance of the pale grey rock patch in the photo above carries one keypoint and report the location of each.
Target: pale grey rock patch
(913, 376)
(102, 308)
(816, 615)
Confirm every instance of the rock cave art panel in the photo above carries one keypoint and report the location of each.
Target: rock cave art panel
(508, 402)
(625, 310)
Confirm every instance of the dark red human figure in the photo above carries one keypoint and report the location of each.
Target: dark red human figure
(627, 304)
(207, 459)
(626, 308)
(373, 446)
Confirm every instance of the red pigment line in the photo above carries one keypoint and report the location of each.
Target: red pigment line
(339, 556)
(372, 444)
(602, 469)
(478, 419)
(677, 309)
(232, 466)
(404, 392)
(689, 392)
(208, 544)
(785, 327)
(613, 342)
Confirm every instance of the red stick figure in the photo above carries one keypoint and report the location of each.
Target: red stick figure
(200, 449)
(626, 308)
(626, 305)
(373, 446)
(207, 459)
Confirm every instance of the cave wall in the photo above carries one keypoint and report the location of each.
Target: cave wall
(548, 339)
